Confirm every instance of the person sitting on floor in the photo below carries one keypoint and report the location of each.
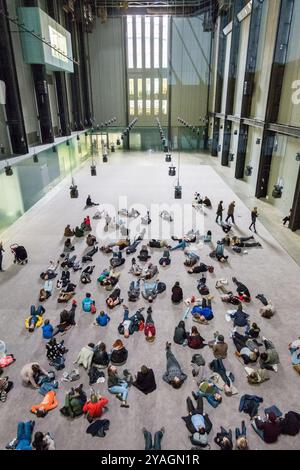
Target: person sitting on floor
(149, 271)
(67, 319)
(91, 240)
(85, 356)
(67, 293)
(119, 353)
(89, 202)
(117, 386)
(87, 303)
(219, 347)
(78, 232)
(269, 359)
(31, 372)
(100, 358)
(93, 408)
(173, 375)
(253, 331)
(68, 247)
(36, 318)
(294, 349)
(177, 294)
(239, 317)
(135, 268)
(207, 202)
(145, 380)
(165, 260)
(103, 319)
(74, 402)
(42, 441)
(114, 298)
(198, 423)
(180, 333)
(68, 232)
(47, 329)
(268, 429)
(194, 339)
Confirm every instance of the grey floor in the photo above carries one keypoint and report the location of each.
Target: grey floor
(143, 178)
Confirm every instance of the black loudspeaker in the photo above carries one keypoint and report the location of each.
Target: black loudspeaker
(166, 148)
(172, 171)
(93, 170)
(118, 142)
(168, 158)
(112, 148)
(277, 192)
(35, 158)
(178, 192)
(9, 171)
(105, 159)
(74, 193)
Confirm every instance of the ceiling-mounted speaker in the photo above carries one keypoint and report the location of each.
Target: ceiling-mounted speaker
(172, 171)
(35, 158)
(93, 170)
(168, 158)
(178, 192)
(8, 170)
(105, 159)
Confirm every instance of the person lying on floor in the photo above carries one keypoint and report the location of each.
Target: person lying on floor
(67, 293)
(219, 252)
(158, 244)
(119, 245)
(150, 329)
(244, 242)
(202, 311)
(223, 439)
(269, 359)
(24, 436)
(114, 298)
(51, 271)
(294, 349)
(149, 271)
(253, 331)
(267, 429)
(194, 339)
(174, 374)
(256, 377)
(150, 291)
(46, 291)
(246, 348)
(268, 309)
(130, 324)
(165, 215)
(201, 268)
(35, 320)
(191, 258)
(98, 214)
(93, 408)
(145, 380)
(242, 290)
(197, 423)
(222, 378)
(225, 227)
(117, 386)
(210, 391)
(111, 280)
(183, 243)
(85, 275)
(156, 444)
(89, 202)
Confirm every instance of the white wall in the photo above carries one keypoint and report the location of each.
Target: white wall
(239, 88)
(108, 71)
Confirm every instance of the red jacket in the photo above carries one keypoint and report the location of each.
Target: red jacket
(95, 409)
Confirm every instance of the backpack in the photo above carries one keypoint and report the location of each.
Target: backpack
(161, 287)
(237, 249)
(144, 255)
(154, 244)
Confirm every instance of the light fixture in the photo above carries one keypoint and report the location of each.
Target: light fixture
(235, 132)
(172, 170)
(277, 191)
(8, 170)
(178, 192)
(105, 159)
(248, 171)
(168, 158)
(68, 143)
(78, 137)
(2, 149)
(35, 158)
(93, 170)
(258, 141)
(54, 150)
(231, 157)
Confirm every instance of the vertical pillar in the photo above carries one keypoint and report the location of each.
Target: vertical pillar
(84, 72)
(274, 96)
(8, 74)
(43, 103)
(253, 43)
(295, 219)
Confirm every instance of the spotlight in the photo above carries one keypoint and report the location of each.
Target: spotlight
(78, 138)
(168, 158)
(35, 158)
(277, 191)
(172, 171)
(93, 170)
(178, 192)
(54, 149)
(68, 143)
(86, 134)
(105, 159)
(112, 148)
(118, 142)
(8, 170)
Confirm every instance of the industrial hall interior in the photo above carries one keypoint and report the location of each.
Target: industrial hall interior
(149, 225)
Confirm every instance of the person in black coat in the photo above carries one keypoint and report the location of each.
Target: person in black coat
(100, 357)
(177, 294)
(145, 380)
(119, 353)
(180, 334)
(290, 424)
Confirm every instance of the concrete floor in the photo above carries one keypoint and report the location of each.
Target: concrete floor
(143, 178)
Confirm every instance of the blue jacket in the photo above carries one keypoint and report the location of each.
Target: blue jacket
(206, 312)
(103, 320)
(86, 304)
(47, 331)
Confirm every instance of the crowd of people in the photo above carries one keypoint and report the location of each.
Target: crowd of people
(258, 356)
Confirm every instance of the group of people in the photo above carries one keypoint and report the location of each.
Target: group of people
(257, 354)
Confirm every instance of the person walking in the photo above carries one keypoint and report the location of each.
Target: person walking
(254, 215)
(220, 212)
(230, 212)
(1, 256)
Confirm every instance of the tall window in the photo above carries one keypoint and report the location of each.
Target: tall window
(156, 41)
(131, 86)
(164, 107)
(156, 107)
(140, 107)
(164, 86)
(131, 108)
(140, 87)
(148, 86)
(139, 59)
(147, 42)
(156, 86)
(148, 107)
(165, 33)
(130, 42)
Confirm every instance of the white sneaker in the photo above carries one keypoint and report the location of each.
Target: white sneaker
(275, 367)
